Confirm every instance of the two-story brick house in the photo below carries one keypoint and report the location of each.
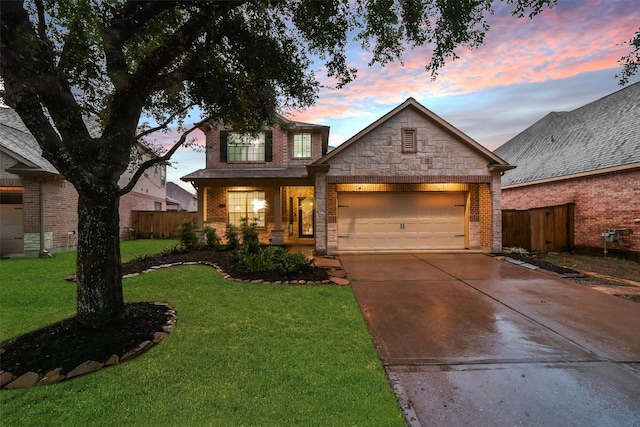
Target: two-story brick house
(262, 177)
(38, 206)
(409, 181)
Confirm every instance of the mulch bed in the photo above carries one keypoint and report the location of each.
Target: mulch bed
(222, 260)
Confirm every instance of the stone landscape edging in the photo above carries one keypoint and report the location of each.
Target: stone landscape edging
(9, 381)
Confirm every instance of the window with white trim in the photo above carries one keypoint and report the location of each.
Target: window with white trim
(409, 140)
(247, 204)
(301, 145)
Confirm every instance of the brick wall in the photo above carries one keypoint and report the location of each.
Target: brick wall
(216, 215)
(282, 150)
(60, 214)
(136, 202)
(602, 201)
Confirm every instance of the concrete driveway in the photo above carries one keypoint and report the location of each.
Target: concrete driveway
(468, 339)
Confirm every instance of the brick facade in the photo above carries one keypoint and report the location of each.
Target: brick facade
(282, 153)
(601, 202)
(216, 213)
(60, 201)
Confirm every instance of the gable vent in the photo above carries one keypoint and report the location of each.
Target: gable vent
(409, 144)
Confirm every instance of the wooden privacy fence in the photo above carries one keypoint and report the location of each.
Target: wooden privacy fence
(540, 229)
(159, 224)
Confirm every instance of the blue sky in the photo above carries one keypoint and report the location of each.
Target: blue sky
(562, 59)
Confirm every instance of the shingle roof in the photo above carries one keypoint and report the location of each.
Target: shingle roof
(600, 135)
(17, 141)
(250, 173)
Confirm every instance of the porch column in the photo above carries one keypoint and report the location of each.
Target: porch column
(321, 212)
(202, 204)
(277, 234)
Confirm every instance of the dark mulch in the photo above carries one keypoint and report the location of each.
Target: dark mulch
(546, 265)
(67, 344)
(222, 260)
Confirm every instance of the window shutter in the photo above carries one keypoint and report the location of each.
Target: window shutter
(223, 146)
(268, 146)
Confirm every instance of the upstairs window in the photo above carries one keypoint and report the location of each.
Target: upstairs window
(301, 145)
(245, 147)
(409, 140)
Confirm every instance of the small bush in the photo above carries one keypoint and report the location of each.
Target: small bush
(250, 238)
(232, 236)
(270, 258)
(176, 249)
(291, 264)
(212, 240)
(187, 234)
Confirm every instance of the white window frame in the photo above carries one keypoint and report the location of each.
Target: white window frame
(302, 146)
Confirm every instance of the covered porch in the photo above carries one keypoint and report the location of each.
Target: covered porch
(282, 208)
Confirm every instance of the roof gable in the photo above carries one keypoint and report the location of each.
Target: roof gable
(598, 136)
(411, 103)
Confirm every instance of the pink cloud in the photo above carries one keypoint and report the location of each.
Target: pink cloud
(169, 139)
(571, 39)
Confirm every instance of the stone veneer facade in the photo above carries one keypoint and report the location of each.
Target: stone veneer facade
(442, 162)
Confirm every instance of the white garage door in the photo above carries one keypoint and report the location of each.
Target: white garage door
(391, 221)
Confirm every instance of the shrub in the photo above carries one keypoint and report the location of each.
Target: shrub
(270, 258)
(232, 236)
(294, 263)
(518, 251)
(176, 249)
(250, 239)
(212, 240)
(187, 234)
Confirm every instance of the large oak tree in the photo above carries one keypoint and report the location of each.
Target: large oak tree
(120, 62)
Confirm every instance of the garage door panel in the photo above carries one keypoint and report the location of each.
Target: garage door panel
(384, 221)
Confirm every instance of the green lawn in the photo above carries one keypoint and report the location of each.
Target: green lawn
(241, 354)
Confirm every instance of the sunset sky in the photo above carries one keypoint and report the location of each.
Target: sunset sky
(562, 59)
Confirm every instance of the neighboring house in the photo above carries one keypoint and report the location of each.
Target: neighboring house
(409, 181)
(38, 207)
(589, 156)
(179, 199)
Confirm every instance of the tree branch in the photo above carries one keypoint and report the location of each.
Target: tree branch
(154, 161)
(631, 61)
(32, 83)
(163, 124)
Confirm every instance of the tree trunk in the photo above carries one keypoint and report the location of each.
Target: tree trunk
(99, 269)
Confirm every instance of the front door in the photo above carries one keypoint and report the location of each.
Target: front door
(306, 216)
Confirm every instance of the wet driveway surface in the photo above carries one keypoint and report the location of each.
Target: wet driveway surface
(468, 339)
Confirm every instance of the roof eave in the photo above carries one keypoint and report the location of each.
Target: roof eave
(614, 169)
